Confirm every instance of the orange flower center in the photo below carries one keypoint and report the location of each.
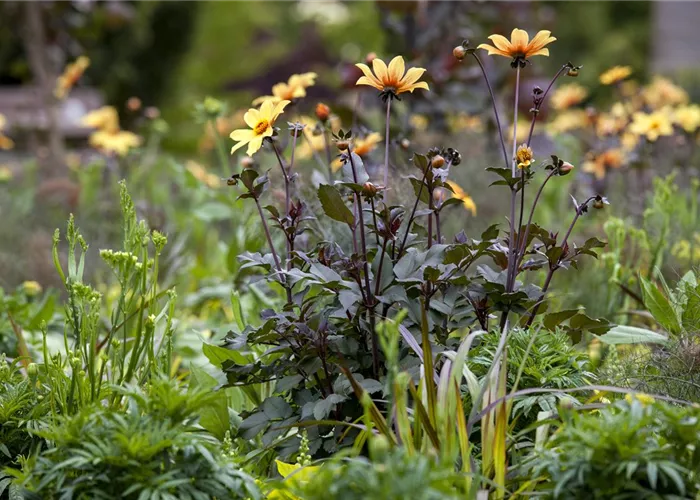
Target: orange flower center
(261, 127)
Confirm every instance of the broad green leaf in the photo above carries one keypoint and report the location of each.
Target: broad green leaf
(632, 335)
(333, 204)
(218, 355)
(659, 306)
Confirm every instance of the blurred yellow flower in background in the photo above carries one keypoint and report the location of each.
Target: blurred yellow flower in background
(684, 251)
(629, 141)
(261, 123)
(393, 78)
(419, 122)
(663, 92)
(70, 76)
(522, 132)
(362, 146)
(108, 137)
(465, 121)
(31, 288)
(460, 194)
(645, 399)
(519, 47)
(687, 117)
(612, 123)
(6, 174)
(651, 125)
(615, 75)
(600, 164)
(294, 88)
(314, 140)
(569, 95)
(5, 142)
(202, 175)
(568, 120)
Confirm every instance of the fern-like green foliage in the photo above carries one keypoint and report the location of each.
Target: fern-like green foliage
(154, 449)
(632, 449)
(551, 362)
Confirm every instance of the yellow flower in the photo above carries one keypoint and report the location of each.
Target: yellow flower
(568, 120)
(522, 132)
(419, 122)
(464, 121)
(524, 156)
(612, 123)
(31, 288)
(458, 192)
(600, 164)
(261, 123)
(200, 173)
(393, 79)
(70, 76)
(645, 399)
(362, 147)
(6, 174)
(294, 88)
(615, 74)
(682, 249)
(629, 141)
(519, 47)
(687, 117)
(651, 125)
(118, 142)
(663, 92)
(105, 118)
(568, 96)
(314, 141)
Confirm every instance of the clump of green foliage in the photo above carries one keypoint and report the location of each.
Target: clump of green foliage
(630, 449)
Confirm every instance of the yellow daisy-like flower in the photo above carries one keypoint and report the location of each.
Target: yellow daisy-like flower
(31, 288)
(519, 47)
(651, 125)
(5, 142)
(687, 117)
(261, 123)
(600, 164)
(663, 92)
(200, 173)
(105, 118)
(460, 194)
(118, 142)
(294, 88)
(392, 79)
(629, 141)
(6, 174)
(522, 132)
(464, 121)
(567, 121)
(615, 74)
(524, 156)
(314, 142)
(569, 95)
(70, 76)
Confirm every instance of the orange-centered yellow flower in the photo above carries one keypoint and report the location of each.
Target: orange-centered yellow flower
(615, 74)
(5, 142)
(600, 164)
(261, 123)
(651, 125)
(568, 96)
(294, 88)
(519, 47)
(524, 156)
(70, 76)
(393, 79)
(458, 192)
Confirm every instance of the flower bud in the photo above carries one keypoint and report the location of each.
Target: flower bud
(342, 145)
(32, 371)
(405, 143)
(459, 52)
(565, 168)
(598, 203)
(438, 161)
(378, 446)
(369, 190)
(573, 72)
(370, 57)
(322, 111)
(151, 112)
(133, 103)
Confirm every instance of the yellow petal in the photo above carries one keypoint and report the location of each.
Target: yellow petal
(500, 42)
(396, 69)
(242, 134)
(419, 85)
(261, 99)
(266, 110)
(364, 80)
(519, 38)
(380, 70)
(370, 76)
(412, 76)
(541, 39)
(278, 110)
(541, 52)
(254, 145)
(251, 117)
(493, 50)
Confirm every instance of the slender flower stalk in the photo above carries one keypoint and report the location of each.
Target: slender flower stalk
(540, 101)
(386, 145)
(545, 286)
(513, 193)
(521, 251)
(495, 108)
(267, 235)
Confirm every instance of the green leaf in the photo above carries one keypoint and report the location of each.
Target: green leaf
(659, 307)
(323, 408)
(360, 172)
(333, 205)
(632, 335)
(213, 211)
(555, 319)
(218, 355)
(691, 311)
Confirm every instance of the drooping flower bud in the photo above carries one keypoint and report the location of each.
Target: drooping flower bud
(322, 111)
(438, 161)
(459, 52)
(565, 168)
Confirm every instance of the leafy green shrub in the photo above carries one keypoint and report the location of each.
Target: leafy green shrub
(396, 476)
(152, 450)
(635, 449)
